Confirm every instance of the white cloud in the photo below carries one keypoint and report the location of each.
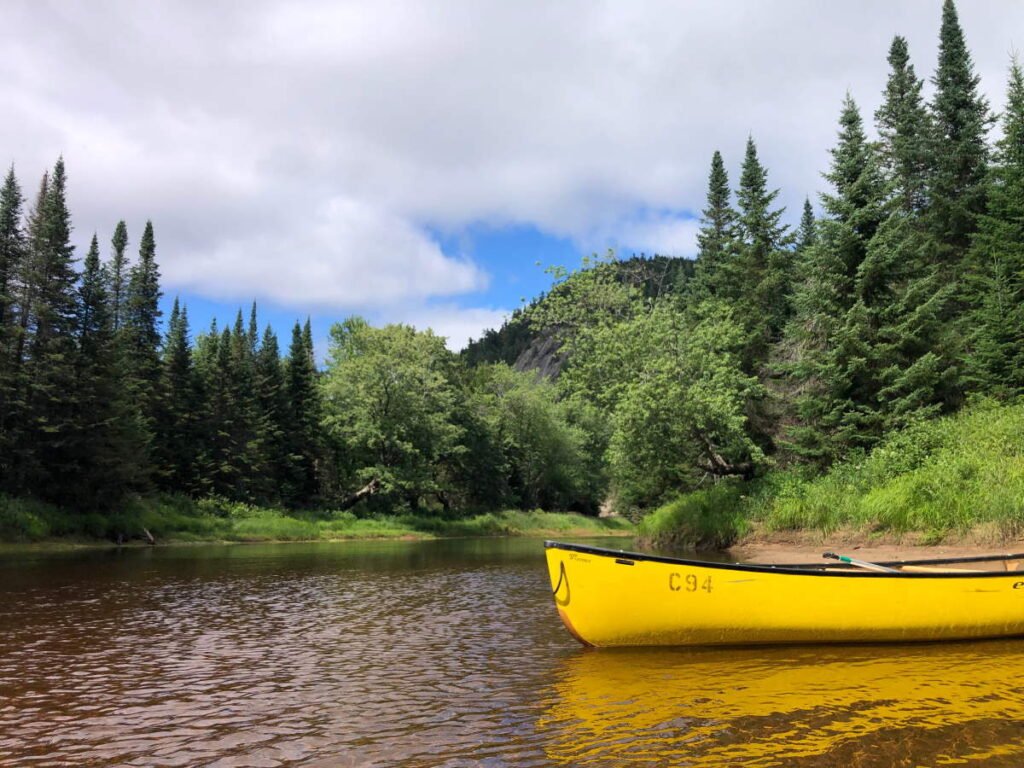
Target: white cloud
(348, 254)
(303, 151)
(456, 324)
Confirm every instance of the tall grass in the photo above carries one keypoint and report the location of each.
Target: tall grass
(939, 477)
(712, 518)
(177, 518)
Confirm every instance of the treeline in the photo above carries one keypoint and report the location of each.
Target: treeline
(98, 403)
(903, 298)
(775, 347)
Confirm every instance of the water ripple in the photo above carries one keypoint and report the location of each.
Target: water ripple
(440, 654)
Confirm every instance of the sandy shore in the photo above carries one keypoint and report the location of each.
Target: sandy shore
(807, 547)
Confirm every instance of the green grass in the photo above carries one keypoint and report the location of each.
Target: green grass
(179, 519)
(938, 478)
(711, 518)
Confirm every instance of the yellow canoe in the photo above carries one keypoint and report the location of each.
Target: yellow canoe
(613, 598)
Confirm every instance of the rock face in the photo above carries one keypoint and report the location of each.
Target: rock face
(543, 355)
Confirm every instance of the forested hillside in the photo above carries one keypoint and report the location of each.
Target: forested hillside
(779, 346)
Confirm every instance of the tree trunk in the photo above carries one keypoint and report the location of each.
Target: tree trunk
(367, 490)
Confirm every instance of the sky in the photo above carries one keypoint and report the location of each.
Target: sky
(423, 162)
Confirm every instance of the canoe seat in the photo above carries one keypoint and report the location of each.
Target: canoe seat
(935, 569)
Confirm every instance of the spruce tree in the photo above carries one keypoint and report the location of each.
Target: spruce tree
(248, 458)
(960, 153)
(49, 327)
(759, 277)
(826, 329)
(117, 275)
(142, 333)
(716, 240)
(303, 421)
(12, 256)
(995, 285)
(108, 438)
(905, 129)
(179, 436)
(806, 235)
(273, 413)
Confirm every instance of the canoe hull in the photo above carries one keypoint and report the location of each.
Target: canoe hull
(608, 598)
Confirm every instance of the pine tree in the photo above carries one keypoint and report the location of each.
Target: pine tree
(254, 332)
(905, 128)
(807, 234)
(273, 412)
(248, 450)
(995, 282)
(303, 434)
(826, 324)
(108, 437)
(117, 275)
(960, 153)
(12, 256)
(141, 334)
(716, 240)
(178, 445)
(49, 324)
(759, 277)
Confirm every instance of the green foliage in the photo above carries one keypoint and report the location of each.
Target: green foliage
(995, 266)
(708, 519)
(539, 447)
(717, 239)
(940, 475)
(389, 397)
(682, 415)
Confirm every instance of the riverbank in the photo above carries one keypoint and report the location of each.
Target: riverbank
(953, 481)
(808, 546)
(172, 519)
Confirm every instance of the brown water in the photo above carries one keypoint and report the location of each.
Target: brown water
(440, 654)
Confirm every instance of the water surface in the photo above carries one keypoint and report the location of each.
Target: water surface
(444, 653)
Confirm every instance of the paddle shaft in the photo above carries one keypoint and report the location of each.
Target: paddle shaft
(859, 563)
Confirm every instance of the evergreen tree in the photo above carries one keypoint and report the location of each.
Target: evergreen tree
(303, 421)
(248, 458)
(995, 283)
(50, 313)
(905, 128)
(142, 333)
(253, 332)
(12, 255)
(806, 235)
(716, 240)
(960, 153)
(826, 323)
(759, 277)
(108, 436)
(273, 413)
(117, 275)
(178, 445)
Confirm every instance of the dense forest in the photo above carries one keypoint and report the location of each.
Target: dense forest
(899, 301)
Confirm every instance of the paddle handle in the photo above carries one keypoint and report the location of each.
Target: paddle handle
(858, 563)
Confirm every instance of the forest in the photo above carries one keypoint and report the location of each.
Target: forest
(776, 358)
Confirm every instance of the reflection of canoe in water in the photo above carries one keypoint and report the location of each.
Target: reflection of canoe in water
(947, 704)
(606, 598)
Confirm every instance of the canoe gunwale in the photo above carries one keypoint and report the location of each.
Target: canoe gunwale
(807, 569)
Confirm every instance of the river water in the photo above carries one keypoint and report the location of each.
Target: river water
(444, 653)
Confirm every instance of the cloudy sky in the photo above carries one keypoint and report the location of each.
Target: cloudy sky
(414, 161)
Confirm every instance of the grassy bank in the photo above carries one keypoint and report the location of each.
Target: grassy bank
(178, 519)
(939, 480)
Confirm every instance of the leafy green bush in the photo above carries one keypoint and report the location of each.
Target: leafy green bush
(711, 518)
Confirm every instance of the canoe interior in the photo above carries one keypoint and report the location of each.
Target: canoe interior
(928, 567)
